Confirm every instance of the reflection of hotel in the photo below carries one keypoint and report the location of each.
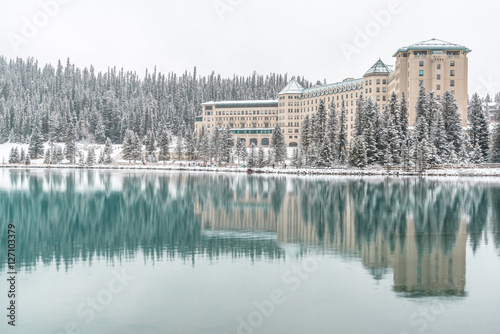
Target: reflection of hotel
(434, 64)
(433, 271)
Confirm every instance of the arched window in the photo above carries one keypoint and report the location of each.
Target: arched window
(254, 141)
(265, 141)
(293, 144)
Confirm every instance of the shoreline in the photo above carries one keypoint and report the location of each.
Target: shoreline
(466, 172)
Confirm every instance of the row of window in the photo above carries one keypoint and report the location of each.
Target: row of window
(369, 82)
(452, 74)
(421, 63)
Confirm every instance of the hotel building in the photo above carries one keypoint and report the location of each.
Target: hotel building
(437, 65)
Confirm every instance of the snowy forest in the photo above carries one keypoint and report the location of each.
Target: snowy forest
(385, 139)
(153, 120)
(106, 105)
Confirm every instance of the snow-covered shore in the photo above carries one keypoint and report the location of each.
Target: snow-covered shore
(466, 172)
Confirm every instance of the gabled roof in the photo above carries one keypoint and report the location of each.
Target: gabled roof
(433, 44)
(293, 87)
(378, 68)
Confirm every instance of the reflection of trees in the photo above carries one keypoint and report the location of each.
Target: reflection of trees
(495, 216)
(64, 217)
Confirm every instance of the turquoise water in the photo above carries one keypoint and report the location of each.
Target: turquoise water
(139, 252)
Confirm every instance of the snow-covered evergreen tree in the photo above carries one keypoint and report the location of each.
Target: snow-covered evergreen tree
(179, 148)
(331, 139)
(342, 139)
(278, 145)
(190, 145)
(439, 137)
(359, 121)
(70, 144)
(35, 149)
(260, 158)
(357, 154)
(479, 128)
(100, 161)
(452, 121)
(108, 150)
(164, 145)
(306, 134)
(128, 146)
(47, 157)
(403, 118)
(150, 147)
(90, 157)
(495, 143)
(241, 151)
(252, 157)
(14, 156)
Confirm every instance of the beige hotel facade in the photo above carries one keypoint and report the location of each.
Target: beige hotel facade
(435, 64)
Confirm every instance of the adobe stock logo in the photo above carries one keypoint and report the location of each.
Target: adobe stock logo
(373, 28)
(30, 27)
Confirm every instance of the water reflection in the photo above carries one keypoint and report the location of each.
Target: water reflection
(415, 228)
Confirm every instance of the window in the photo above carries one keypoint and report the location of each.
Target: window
(378, 81)
(438, 87)
(421, 83)
(439, 66)
(452, 63)
(439, 76)
(452, 73)
(383, 81)
(452, 83)
(421, 73)
(421, 63)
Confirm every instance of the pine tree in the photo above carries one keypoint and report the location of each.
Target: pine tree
(252, 157)
(278, 145)
(47, 158)
(100, 131)
(406, 155)
(150, 147)
(70, 148)
(35, 149)
(260, 158)
(137, 149)
(332, 133)
(342, 139)
(128, 146)
(27, 161)
(241, 150)
(305, 134)
(360, 121)
(91, 157)
(164, 145)
(81, 158)
(14, 156)
(403, 118)
(479, 127)
(421, 126)
(438, 137)
(108, 150)
(58, 155)
(179, 148)
(452, 121)
(495, 144)
(100, 161)
(190, 145)
(357, 154)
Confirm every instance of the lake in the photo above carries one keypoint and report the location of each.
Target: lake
(171, 252)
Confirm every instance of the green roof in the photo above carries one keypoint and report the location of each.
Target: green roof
(433, 44)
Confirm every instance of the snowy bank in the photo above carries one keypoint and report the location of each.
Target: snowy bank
(477, 171)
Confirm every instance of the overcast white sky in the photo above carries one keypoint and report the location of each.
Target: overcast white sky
(242, 36)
